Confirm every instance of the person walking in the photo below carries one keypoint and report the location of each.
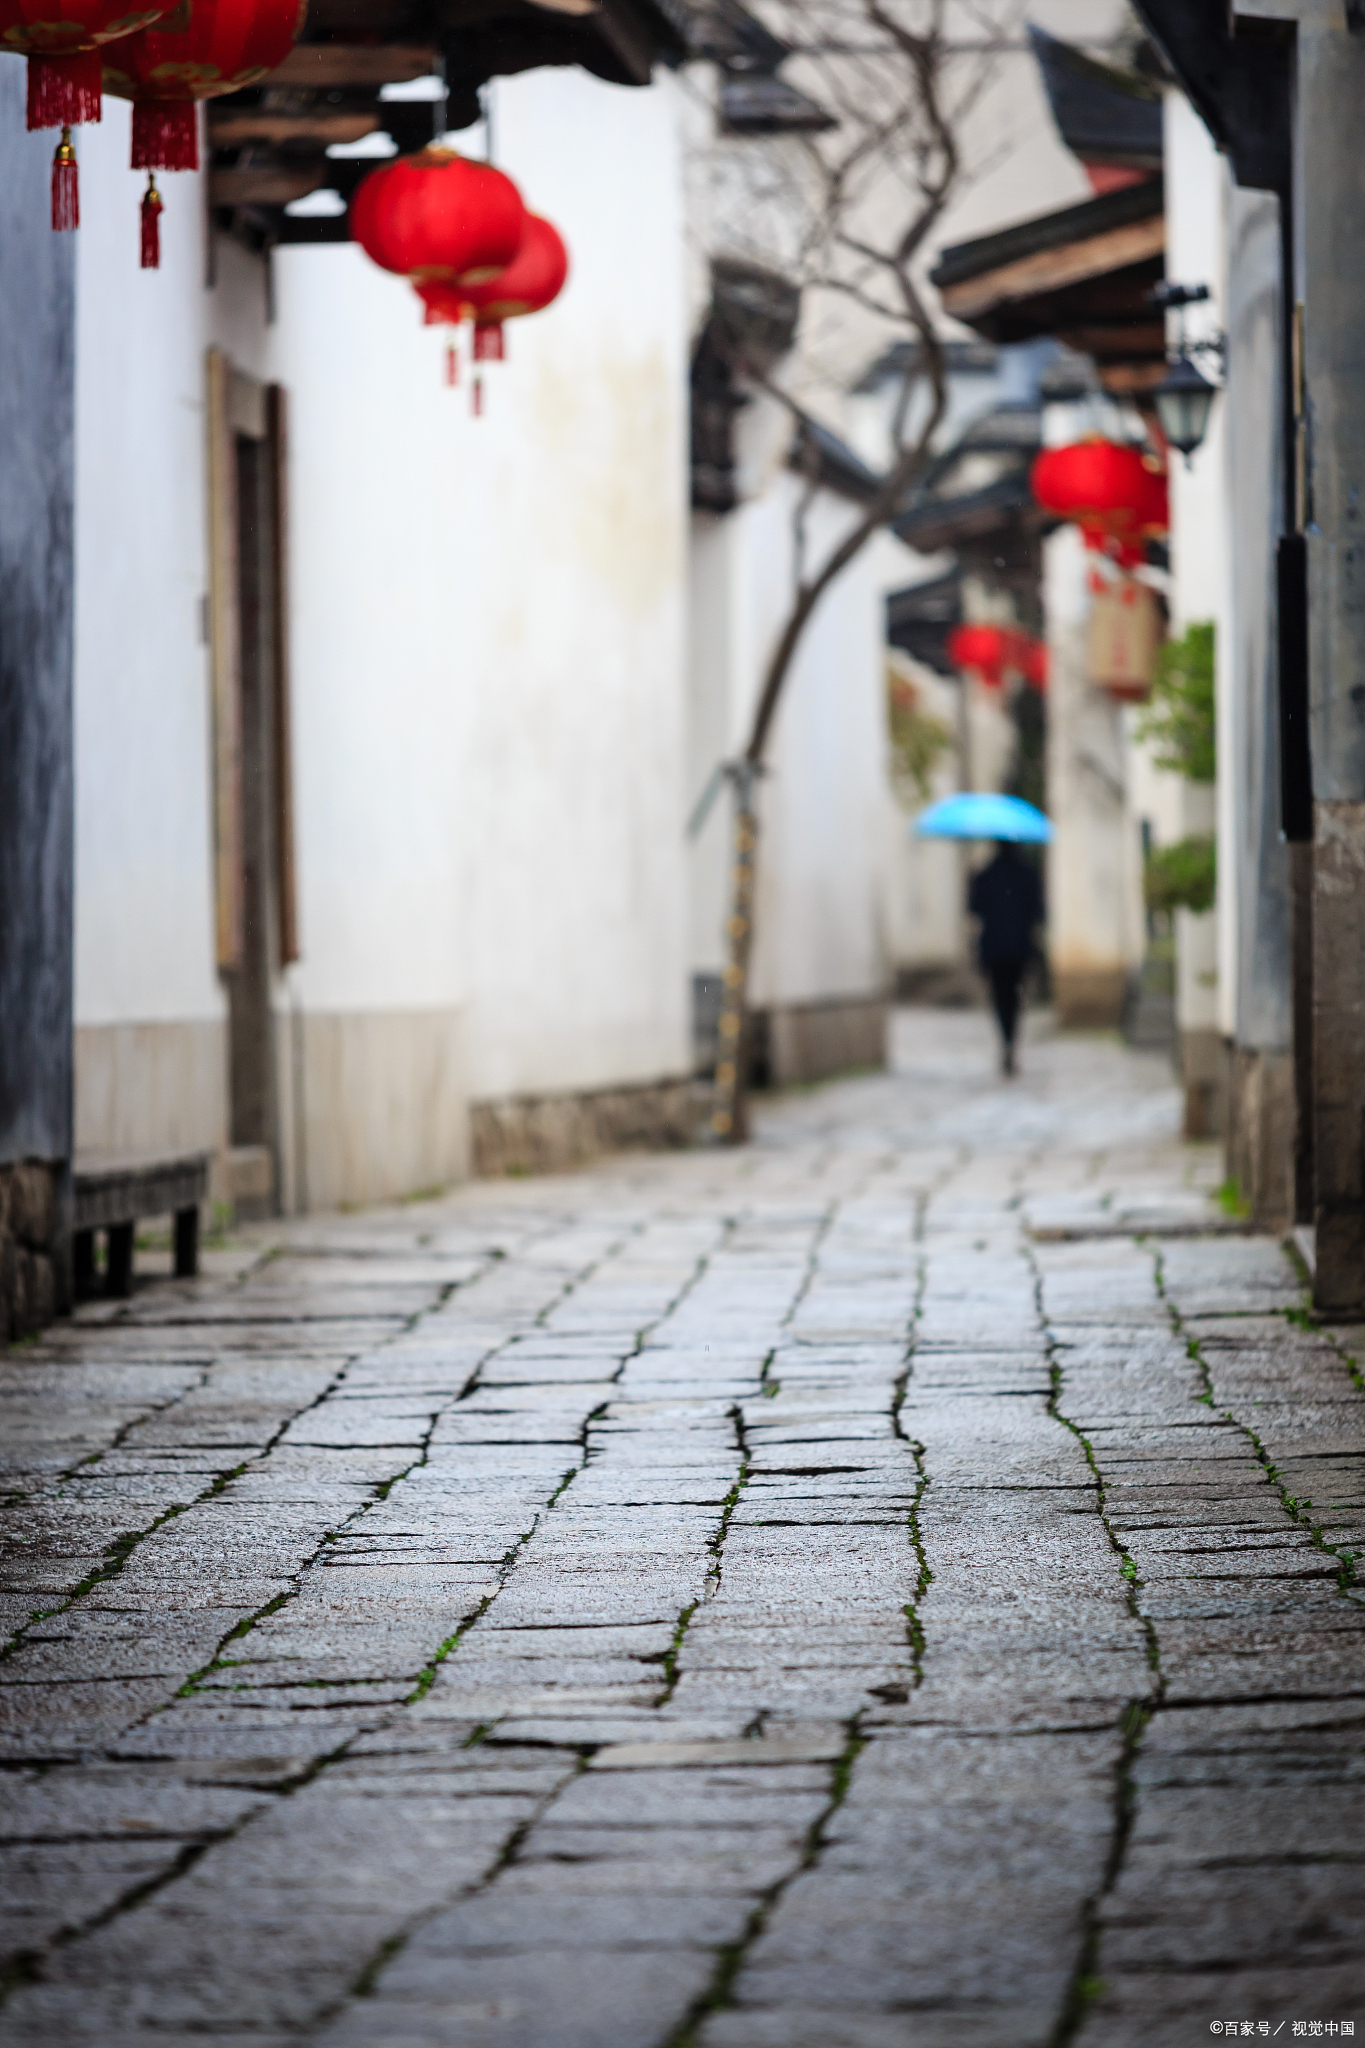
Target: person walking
(1007, 898)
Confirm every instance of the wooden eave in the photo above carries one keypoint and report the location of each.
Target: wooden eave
(1103, 115)
(1238, 74)
(937, 523)
(1083, 275)
(987, 301)
(268, 146)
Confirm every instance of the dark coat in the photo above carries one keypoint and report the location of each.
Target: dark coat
(1008, 899)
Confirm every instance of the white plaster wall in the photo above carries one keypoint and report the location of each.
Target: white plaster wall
(488, 623)
(823, 885)
(487, 617)
(830, 853)
(144, 870)
(1095, 920)
(930, 927)
(1198, 185)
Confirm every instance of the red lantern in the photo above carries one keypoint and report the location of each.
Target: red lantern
(985, 649)
(444, 306)
(223, 46)
(532, 280)
(438, 218)
(61, 40)
(1113, 493)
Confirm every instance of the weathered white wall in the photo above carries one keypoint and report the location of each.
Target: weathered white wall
(1095, 922)
(1198, 191)
(830, 854)
(487, 649)
(929, 926)
(489, 617)
(150, 1013)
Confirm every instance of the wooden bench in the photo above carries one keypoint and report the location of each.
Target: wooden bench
(112, 1192)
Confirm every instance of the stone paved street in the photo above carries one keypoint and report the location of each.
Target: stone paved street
(892, 1585)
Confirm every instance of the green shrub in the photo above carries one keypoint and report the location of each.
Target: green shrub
(1183, 876)
(1179, 715)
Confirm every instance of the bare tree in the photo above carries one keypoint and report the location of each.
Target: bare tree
(849, 212)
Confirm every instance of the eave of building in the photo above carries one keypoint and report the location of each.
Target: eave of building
(1082, 274)
(837, 468)
(1104, 116)
(1238, 74)
(268, 145)
(920, 617)
(937, 523)
(765, 105)
(961, 359)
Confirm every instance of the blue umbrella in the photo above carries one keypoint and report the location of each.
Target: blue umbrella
(983, 815)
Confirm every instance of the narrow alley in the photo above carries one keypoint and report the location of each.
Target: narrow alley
(892, 1584)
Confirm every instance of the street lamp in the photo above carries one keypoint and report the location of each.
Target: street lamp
(1184, 399)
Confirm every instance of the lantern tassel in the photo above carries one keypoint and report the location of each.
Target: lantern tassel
(66, 189)
(63, 91)
(452, 364)
(488, 343)
(165, 135)
(151, 226)
(476, 399)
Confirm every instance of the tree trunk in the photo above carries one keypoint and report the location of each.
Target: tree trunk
(730, 1114)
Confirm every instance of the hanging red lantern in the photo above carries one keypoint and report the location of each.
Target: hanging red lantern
(222, 46)
(987, 650)
(61, 39)
(532, 280)
(1114, 494)
(438, 218)
(444, 306)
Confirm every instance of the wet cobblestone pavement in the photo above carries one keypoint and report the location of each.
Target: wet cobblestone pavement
(892, 1586)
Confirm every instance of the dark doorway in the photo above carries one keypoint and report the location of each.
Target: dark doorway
(255, 843)
(253, 1092)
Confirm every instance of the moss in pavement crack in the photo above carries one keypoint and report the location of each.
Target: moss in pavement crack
(27, 1966)
(732, 1955)
(1084, 1984)
(379, 1492)
(117, 1554)
(923, 1575)
(123, 1546)
(366, 1983)
(669, 1659)
(1298, 1507)
(716, 1542)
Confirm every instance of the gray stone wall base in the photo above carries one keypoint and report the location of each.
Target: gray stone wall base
(547, 1133)
(1202, 1062)
(34, 1246)
(1338, 1045)
(1091, 999)
(810, 1041)
(1260, 1134)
